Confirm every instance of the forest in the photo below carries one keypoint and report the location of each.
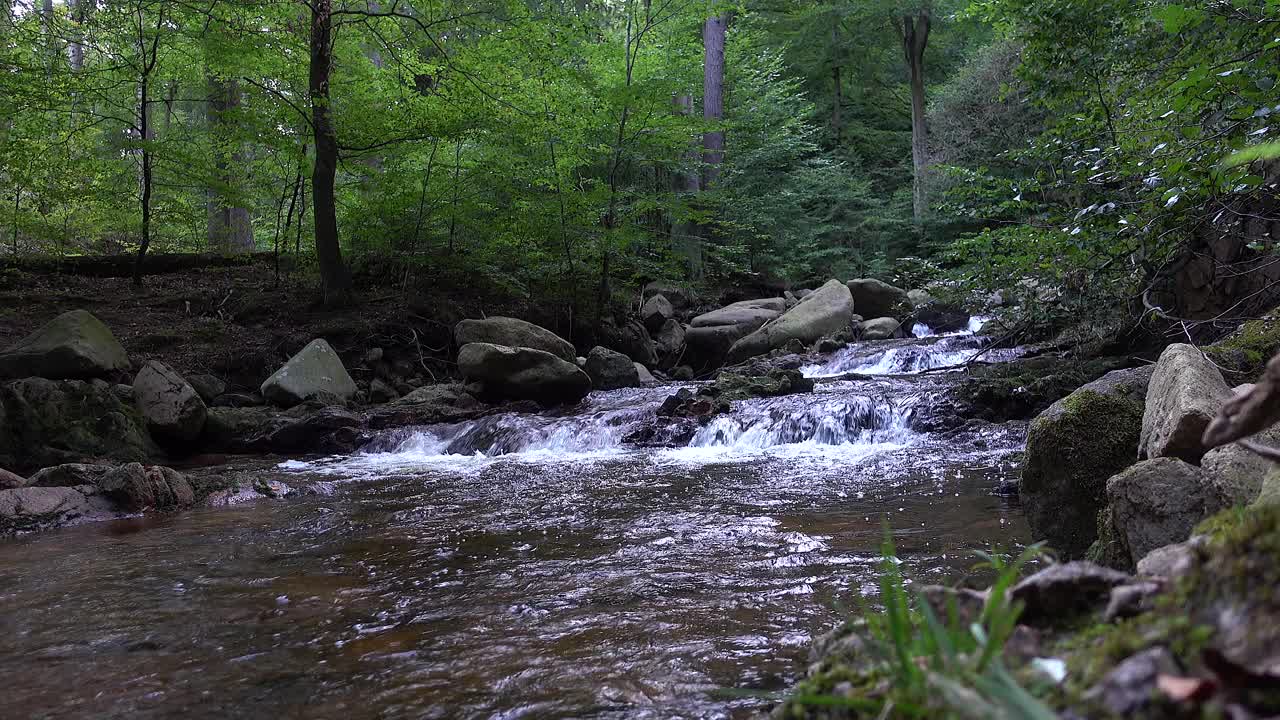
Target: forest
(640, 358)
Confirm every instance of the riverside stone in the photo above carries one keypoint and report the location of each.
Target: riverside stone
(498, 330)
(1186, 391)
(315, 372)
(172, 409)
(523, 373)
(74, 345)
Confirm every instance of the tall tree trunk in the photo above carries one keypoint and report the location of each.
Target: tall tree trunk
(915, 38)
(335, 281)
(145, 132)
(79, 10)
(684, 235)
(50, 34)
(713, 95)
(230, 228)
(837, 85)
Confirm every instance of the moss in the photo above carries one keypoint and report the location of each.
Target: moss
(1109, 550)
(1217, 526)
(1243, 354)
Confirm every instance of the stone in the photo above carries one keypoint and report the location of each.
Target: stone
(238, 400)
(682, 373)
(1235, 473)
(1065, 589)
(1131, 600)
(967, 603)
(681, 297)
(916, 298)
(1130, 686)
(48, 422)
(826, 311)
(710, 335)
(655, 312)
(523, 373)
(610, 370)
(32, 509)
(315, 372)
(1186, 391)
(1171, 561)
(172, 409)
(1156, 503)
(209, 387)
(74, 345)
(372, 356)
(136, 487)
(381, 392)
(875, 298)
(883, 328)
(511, 332)
(327, 429)
(669, 342)
(69, 475)
(775, 383)
(645, 377)
(1073, 448)
(634, 341)
(9, 481)
(428, 405)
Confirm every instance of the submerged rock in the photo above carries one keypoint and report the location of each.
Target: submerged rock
(315, 372)
(511, 332)
(826, 311)
(74, 345)
(1072, 450)
(1186, 391)
(173, 410)
(523, 373)
(610, 370)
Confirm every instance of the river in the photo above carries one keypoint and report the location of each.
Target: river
(522, 566)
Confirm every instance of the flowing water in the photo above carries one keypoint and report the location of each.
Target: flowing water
(520, 565)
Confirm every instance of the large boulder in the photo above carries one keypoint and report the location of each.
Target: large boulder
(511, 332)
(9, 481)
(884, 328)
(826, 311)
(136, 487)
(710, 335)
(172, 409)
(634, 341)
(669, 342)
(655, 312)
(523, 373)
(209, 387)
(427, 406)
(1073, 447)
(1235, 473)
(74, 345)
(680, 297)
(1186, 391)
(48, 422)
(876, 298)
(316, 372)
(610, 370)
(31, 509)
(69, 475)
(1156, 503)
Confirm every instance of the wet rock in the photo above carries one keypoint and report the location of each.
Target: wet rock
(683, 373)
(1065, 589)
(697, 406)
(656, 311)
(732, 386)
(1186, 391)
(1156, 503)
(940, 317)
(1171, 561)
(69, 475)
(523, 373)
(610, 370)
(882, 328)
(48, 422)
(209, 387)
(74, 345)
(9, 481)
(1131, 600)
(172, 409)
(1131, 685)
(327, 429)
(826, 311)
(381, 392)
(136, 487)
(238, 400)
(875, 298)
(32, 509)
(1072, 449)
(643, 374)
(427, 406)
(315, 372)
(711, 335)
(511, 332)
(634, 341)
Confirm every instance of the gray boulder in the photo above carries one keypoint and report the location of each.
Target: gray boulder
(381, 392)
(917, 298)
(884, 328)
(511, 332)
(209, 387)
(48, 422)
(136, 487)
(710, 335)
(315, 372)
(427, 406)
(1235, 473)
(826, 311)
(31, 509)
(1186, 391)
(610, 370)
(69, 475)
(172, 409)
(669, 342)
(645, 377)
(1073, 447)
(73, 345)
(655, 312)
(1156, 503)
(9, 481)
(680, 297)
(634, 341)
(523, 373)
(1171, 561)
(875, 298)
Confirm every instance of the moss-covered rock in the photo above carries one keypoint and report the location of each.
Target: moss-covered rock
(1243, 354)
(50, 422)
(1072, 449)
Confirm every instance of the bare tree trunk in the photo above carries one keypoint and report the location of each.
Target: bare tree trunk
(684, 235)
(335, 281)
(713, 31)
(50, 35)
(915, 38)
(144, 130)
(837, 86)
(230, 228)
(79, 10)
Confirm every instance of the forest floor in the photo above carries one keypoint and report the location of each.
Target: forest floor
(238, 323)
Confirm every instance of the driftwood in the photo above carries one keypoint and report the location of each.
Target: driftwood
(1248, 413)
(122, 265)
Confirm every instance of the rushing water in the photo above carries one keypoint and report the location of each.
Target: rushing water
(516, 566)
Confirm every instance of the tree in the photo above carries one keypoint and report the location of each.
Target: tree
(335, 279)
(914, 31)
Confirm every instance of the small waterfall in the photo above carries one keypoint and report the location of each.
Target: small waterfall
(949, 350)
(844, 420)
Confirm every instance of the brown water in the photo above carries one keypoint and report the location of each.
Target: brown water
(625, 583)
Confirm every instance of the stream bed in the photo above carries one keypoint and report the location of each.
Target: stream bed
(519, 566)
